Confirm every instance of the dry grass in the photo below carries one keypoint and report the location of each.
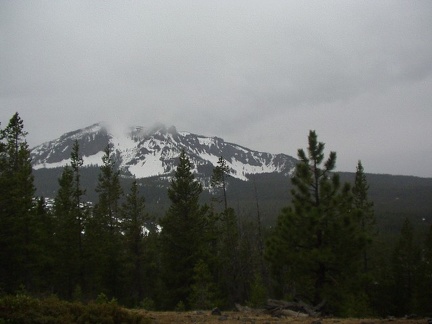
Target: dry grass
(256, 318)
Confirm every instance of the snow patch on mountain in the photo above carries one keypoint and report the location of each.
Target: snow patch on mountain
(94, 159)
(154, 152)
(149, 167)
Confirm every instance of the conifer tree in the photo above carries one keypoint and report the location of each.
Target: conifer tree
(79, 209)
(70, 214)
(136, 224)
(405, 264)
(183, 234)
(229, 259)
(230, 262)
(109, 191)
(66, 258)
(104, 230)
(314, 248)
(218, 179)
(202, 295)
(365, 211)
(44, 270)
(424, 288)
(17, 226)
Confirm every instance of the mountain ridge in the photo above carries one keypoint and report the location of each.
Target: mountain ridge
(153, 152)
(395, 196)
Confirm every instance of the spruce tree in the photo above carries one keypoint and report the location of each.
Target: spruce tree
(315, 248)
(183, 234)
(17, 224)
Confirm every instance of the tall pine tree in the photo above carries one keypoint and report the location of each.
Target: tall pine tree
(136, 225)
(44, 248)
(17, 226)
(70, 213)
(315, 246)
(104, 231)
(365, 212)
(219, 177)
(405, 264)
(183, 234)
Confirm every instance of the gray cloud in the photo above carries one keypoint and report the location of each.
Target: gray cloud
(257, 73)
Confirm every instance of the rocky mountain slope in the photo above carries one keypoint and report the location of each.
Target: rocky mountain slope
(148, 153)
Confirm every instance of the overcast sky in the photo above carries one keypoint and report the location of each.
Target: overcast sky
(256, 73)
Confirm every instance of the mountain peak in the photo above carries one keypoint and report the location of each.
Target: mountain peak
(79, 133)
(153, 152)
(158, 128)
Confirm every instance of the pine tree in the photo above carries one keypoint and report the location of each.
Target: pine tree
(183, 233)
(136, 223)
(17, 224)
(70, 214)
(202, 295)
(424, 288)
(365, 211)
(405, 264)
(229, 258)
(104, 230)
(230, 263)
(218, 179)
(66, 256)
(44, 269)
(314, 248)
(109, 191)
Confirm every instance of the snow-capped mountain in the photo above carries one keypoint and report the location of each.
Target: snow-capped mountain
(154, 152)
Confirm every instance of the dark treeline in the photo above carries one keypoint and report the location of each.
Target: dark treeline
(324, 250)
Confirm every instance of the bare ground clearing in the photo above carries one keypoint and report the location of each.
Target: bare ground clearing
(253, 318)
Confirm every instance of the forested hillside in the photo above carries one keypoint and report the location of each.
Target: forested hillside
(354, 244)
(395, 197)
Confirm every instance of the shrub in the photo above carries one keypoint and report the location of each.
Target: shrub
(25, 309)
(148, 304)
(258, 294)
(180, 307)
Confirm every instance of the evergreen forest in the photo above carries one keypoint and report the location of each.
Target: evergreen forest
(324, 248)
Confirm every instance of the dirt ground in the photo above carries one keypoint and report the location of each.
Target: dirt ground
(240, 318)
